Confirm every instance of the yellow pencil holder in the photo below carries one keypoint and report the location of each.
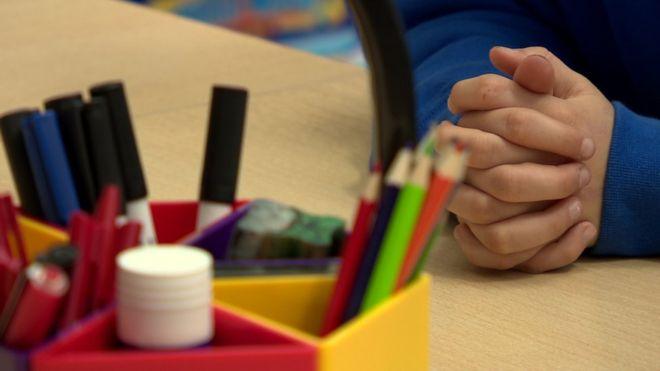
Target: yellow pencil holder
(38, 237)
(392, 336)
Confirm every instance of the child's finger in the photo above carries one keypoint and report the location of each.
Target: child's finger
(527, 231)
(489, 150)
(490, 91)
(532, 129)
(477, 207)
(530, 182)
(562, 253)
(477, 254)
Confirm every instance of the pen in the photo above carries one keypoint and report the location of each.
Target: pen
(12, 137)
(223, 154)
(135, 187)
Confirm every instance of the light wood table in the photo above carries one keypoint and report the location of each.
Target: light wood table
(307, 143)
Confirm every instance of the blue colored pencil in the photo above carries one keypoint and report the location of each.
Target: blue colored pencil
(56, 165)
(395, 180)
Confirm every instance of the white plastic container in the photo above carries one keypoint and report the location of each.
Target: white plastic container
(164, 297)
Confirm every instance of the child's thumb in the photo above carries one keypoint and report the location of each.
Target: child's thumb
(535, 65)
(532, 71)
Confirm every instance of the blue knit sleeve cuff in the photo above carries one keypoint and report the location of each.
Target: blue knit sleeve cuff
(630, 222)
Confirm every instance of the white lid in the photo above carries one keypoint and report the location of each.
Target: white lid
(160, 284)
(164, 261)
(201, 292)
(163, 305)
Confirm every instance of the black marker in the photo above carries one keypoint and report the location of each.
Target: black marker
(224, 141)
(101, 146)
(12, 137)
(69, 115)
(135, 187)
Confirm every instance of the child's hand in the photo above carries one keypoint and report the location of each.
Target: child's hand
(506, 223)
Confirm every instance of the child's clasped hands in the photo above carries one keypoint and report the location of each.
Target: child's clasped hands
(540, 140)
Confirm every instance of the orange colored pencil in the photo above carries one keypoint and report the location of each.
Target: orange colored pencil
(449, 171)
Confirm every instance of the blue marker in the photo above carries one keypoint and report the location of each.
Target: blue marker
(38, 172)
(56, 166)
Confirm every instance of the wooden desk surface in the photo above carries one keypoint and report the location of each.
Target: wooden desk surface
(307, 143)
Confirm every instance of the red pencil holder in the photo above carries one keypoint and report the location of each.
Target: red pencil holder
(239, 344)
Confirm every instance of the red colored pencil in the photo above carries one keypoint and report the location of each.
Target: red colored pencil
(9, 270)
(108, 205)
(38, 306)
(450, 170)
(126, 237)
(77, 303)
(105, 248)
(352, 255)
(11, 229)
(10, 306)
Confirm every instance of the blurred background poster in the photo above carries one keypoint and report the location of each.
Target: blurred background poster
(321, 27)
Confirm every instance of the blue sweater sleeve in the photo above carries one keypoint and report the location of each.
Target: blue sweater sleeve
(631, 201)
(450, 40)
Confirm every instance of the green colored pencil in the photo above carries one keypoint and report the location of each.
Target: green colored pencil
(399, 231)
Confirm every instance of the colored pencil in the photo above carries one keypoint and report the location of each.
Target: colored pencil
(399, 231)
(395, 179)
(352, 254)
(78, 302)
(107, 211)
(449, 171)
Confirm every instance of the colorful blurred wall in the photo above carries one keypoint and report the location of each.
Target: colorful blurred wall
(322, 27)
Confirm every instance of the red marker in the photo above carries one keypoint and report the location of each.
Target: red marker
(38, 306)
(352, 256)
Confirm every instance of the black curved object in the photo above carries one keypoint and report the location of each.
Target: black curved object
(384, 45)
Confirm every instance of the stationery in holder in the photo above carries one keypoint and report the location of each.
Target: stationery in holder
(56, 165)
(69, 117)
(239, 344)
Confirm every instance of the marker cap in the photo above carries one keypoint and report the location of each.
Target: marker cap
(122, 125)
(223, 144)
(101, 145)
(12, 137)
(69, 116)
